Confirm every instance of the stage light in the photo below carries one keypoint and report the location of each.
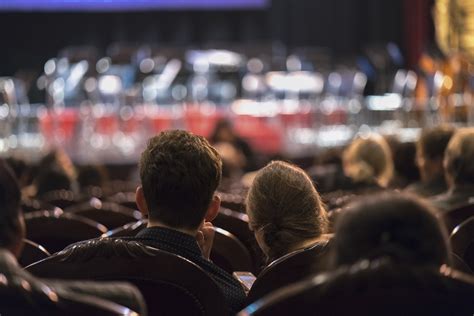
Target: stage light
(110, 84)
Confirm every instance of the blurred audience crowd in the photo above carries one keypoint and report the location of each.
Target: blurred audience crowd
(376, 218)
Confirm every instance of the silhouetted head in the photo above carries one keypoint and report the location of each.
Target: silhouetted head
(51, 179)
(399, 226)
(91, 176)
(369, 160)
(430, 150)
(459, 158)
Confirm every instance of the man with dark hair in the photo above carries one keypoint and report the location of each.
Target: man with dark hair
(12, 232)
(180, 173)
(401, 227)
(430, 150)
(459, 171)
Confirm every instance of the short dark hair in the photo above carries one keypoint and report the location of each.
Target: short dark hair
(180, 173)
(10, 206)
(399, 226)
(433, 142)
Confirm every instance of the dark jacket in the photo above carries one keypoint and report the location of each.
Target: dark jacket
(454, 198)
(427, 189)
(186, 246)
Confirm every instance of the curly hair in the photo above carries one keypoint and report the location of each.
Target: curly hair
(179, 172)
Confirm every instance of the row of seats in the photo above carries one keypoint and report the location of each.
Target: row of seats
(113, 215)
(93, 260)
(235, 248)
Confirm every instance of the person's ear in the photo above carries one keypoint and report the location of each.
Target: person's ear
(141, 202)
(213, 208)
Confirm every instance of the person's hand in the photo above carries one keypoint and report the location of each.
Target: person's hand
(205, 239)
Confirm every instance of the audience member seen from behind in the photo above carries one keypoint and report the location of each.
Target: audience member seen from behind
(49, 180)
(92, 180)
(390, 257)
(12, 232)
(225, 133)
(430, 150)
(459, 171)
(405, 170)
(399, 227)
(368, 164)
(55, 172)
(285, 210)
(180, 173)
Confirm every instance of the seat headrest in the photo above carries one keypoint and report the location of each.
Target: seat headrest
(106, 248)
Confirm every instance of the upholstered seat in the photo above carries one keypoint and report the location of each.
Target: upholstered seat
(126, 199)
(20, 297)
(462, 242)
(32, 205)
(170, 284)
(60, 198)
(238, 224)
(229, 253)
(31, 253)
(288, 269)
(109, 214)
(55, 230)
(377, 288)
(456, 216)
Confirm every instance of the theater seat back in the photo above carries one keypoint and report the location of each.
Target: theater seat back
(377, 288)
(456, 216)
(31, 253)
(109, 214)
(238, 225)
(21, 297)
(170, 284)
(288, 269)
(56, 230)
(462, 242)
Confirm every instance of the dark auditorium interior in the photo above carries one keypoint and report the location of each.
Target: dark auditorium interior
(236, 157)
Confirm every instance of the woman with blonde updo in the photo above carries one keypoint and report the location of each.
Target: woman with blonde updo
(369, 161)
(368, 165)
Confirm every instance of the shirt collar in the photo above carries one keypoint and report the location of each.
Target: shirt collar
(172, 237)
